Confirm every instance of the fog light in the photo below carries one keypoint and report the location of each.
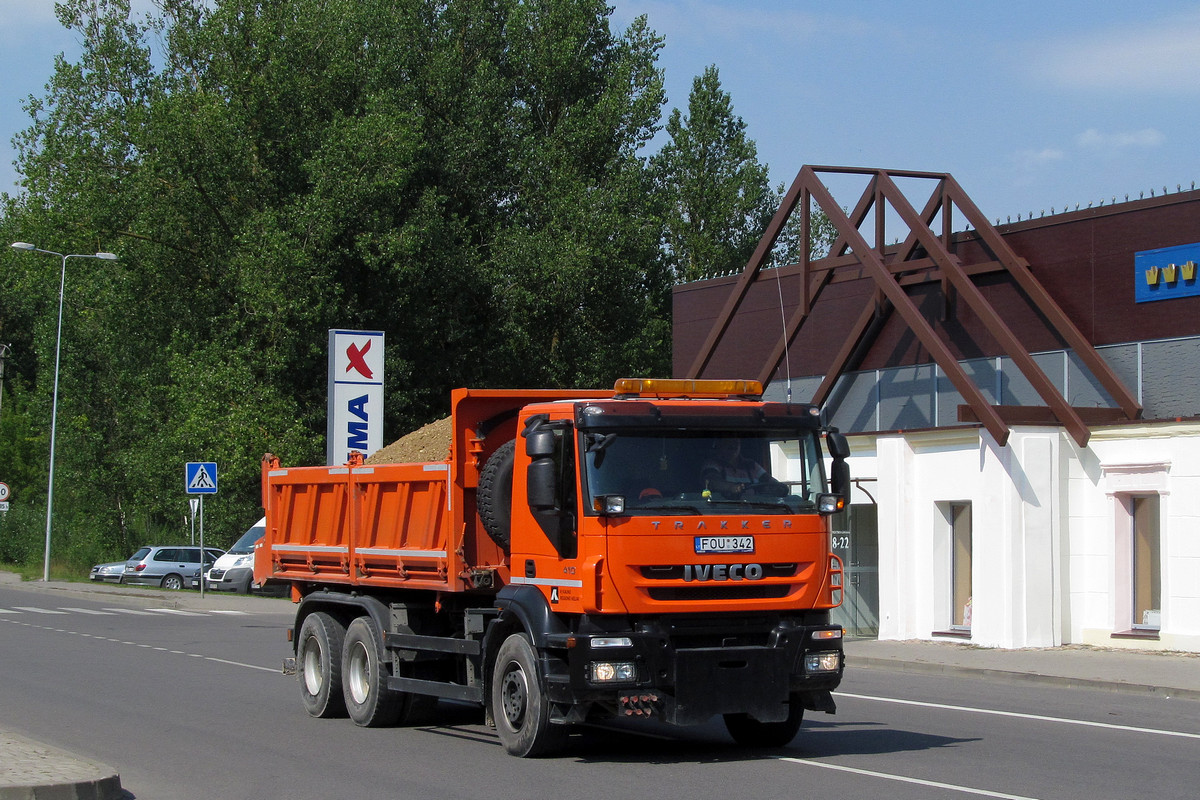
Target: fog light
(822, 662)
(612, 672)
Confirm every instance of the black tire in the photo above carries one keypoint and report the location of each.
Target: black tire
(319, 665)
(173, 582)
(364, 678)
(749, 732)
(494, 495)
(519, 703)
(243, 586)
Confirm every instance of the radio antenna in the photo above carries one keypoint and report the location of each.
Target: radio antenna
(787, 362)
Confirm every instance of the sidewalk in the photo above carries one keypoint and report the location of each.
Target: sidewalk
(30, 770)
(1167, 674)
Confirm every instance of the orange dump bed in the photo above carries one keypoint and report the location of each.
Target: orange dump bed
(395, 525)
(384, 525)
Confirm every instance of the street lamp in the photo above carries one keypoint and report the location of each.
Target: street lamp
(62, 284)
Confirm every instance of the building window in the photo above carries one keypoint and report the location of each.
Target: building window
(960, 566)
(1145, 561)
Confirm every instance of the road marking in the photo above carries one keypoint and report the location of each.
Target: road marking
(273, 670)
(178, 611)
(136, 611)
(1019, 715)
(87, 611)
(904, 779)
(36, 610)
(241, 664)
(227, 612)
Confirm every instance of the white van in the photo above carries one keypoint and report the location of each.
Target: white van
(234, 571)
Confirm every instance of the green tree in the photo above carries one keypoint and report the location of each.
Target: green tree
(466, 175)
(718, 195)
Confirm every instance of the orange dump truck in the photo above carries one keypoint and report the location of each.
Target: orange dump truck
(661, 551)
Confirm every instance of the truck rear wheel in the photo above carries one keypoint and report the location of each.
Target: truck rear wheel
(749, 732)
(319, 665)
(364, 679)
(519, 703)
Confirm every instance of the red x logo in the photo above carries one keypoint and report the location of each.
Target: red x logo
(358, 359)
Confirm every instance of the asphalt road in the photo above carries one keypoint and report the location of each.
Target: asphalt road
(192, 704)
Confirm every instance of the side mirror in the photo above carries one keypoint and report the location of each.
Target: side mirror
(839, 480)
(542, 484)
(540, 443)
(838, 446)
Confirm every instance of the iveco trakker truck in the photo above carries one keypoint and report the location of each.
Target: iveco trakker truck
(659, 551)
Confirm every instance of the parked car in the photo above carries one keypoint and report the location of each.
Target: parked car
(109, 573)
(170, 566)
(234, 571)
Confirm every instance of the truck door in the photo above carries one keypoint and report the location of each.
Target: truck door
(545, 550)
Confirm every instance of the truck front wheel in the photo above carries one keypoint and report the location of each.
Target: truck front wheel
(364, 680)
(749, 732)
(519, 704)
(319, 665)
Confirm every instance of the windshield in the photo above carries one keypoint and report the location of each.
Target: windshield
(687, 472)
(245, 544)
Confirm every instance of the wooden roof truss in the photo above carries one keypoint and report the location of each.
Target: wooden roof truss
(925, 255)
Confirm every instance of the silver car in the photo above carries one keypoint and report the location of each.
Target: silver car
(109, 573)
(170, 566)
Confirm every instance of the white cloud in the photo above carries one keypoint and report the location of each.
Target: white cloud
(1161, 56)
(1146, 138)
(1032, 159)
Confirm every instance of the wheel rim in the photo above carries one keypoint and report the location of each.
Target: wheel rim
(313, 679)
(358, 675)
(514, 692)
(173, 583)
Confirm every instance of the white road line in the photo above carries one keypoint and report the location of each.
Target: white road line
(8, 611)
(1018, 715)
(227, 612)
(87, 611)
(904, 779)
(136, 611)
(240, 664)
(36, 610)
(177, 611)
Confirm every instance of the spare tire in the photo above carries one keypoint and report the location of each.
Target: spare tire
(494, 495)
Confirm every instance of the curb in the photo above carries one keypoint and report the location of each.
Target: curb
(47, 773)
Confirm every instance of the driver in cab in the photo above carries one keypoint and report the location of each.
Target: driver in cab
(732, 474)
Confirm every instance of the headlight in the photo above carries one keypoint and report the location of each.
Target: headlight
(612, 672)
(243, 561)
(822, 662)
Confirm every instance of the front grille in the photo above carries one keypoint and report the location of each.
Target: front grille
(709, 592)
(674, 572)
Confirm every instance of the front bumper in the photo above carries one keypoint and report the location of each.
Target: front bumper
(228, 580)
(687, 670)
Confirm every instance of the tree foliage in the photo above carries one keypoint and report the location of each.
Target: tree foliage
(718, 195)
(468, 176)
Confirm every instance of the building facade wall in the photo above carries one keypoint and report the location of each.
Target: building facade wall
(1050, 542)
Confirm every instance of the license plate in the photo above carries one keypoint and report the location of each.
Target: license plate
(724, 544)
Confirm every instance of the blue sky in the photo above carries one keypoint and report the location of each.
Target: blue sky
(1031, 106)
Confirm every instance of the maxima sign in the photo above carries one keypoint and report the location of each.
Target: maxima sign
(355, 394)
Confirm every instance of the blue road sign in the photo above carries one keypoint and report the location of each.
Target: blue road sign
(200, 477)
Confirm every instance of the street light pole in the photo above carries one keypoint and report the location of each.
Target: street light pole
(5, 349)
(62, 285)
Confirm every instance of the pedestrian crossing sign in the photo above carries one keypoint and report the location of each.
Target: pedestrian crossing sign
(200, 477)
